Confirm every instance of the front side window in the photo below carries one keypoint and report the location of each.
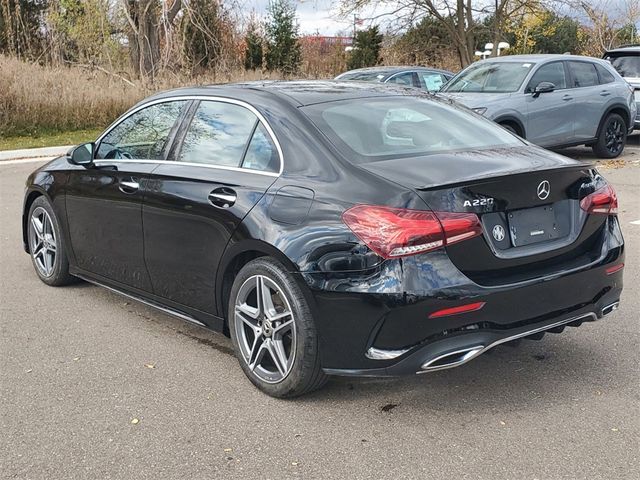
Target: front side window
(552, 73)
(393, 127)
(490, 77)
(584, 74)
(218, 134)
(143, 134)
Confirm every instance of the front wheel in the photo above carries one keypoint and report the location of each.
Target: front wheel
(273, 331)
(612, 137)
(46, 244)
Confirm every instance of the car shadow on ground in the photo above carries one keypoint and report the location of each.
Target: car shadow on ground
(532, 374)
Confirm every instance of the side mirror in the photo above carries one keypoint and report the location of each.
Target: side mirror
(82, 154)
(543, 87)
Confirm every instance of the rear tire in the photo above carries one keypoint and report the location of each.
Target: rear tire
(273, 333)
(512, 128)
(612, 137)
(47, 247)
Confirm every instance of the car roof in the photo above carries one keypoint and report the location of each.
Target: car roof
(297, 93)
(627, 49)
(389, 70)
(538, 58)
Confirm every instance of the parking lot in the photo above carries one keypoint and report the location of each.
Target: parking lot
(93, 385)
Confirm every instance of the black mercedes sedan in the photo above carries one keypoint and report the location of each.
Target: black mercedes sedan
(330, 228)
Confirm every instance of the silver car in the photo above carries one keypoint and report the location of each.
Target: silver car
(551, 100)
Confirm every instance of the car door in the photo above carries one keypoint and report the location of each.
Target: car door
(104, 201)
(550, 115)
(590, 98)
(224, 160)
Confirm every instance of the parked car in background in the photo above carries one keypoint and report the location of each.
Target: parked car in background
(626, 61)
(430, 79)
(551, 100)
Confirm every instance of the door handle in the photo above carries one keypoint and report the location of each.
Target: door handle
(605, 93)
(223, 197)
(128, 187)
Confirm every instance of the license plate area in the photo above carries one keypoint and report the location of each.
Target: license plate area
(538, 224)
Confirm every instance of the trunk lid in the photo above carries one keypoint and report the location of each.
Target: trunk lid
(528, 202)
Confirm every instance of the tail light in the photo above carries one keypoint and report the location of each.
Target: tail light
(604, 200)
(398, 232)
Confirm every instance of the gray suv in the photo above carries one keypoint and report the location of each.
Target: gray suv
(551, 100)
(626, 60)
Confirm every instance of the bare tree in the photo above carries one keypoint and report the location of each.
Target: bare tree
(611, 21)
(461, 18)
(148, 22)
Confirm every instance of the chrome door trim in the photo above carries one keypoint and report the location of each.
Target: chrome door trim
(212, 98)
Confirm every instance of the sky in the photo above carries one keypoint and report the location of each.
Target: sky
(317, 16)
(323, 16)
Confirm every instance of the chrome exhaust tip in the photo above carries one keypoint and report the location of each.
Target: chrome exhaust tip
(610, 308)
(452, 359)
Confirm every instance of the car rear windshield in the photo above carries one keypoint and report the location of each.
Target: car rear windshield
(490, 77)
(626, 65)
(371, 129)
(363, 76)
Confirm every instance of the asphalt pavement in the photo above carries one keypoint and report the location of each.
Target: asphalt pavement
(96, 386)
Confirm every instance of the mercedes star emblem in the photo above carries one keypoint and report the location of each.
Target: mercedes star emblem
(544, 189)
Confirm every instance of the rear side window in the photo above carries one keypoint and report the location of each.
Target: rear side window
(372, 129)
(218, 134)
(261, 153)
(625, 65)
(605, 75)
(143, 135)
(405, 79)
(550, 72)
(584, 74)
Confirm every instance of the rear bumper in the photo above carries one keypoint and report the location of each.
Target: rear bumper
(377, 324)
(458, 350)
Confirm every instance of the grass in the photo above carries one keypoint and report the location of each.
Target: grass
(48, 139)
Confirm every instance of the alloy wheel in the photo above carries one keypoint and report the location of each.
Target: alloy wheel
(42, 241)
(614, 136)
(265, 328)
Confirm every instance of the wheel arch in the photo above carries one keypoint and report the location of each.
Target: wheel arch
(29, 198)
(235, 257)
(514, 121)
(621, 110)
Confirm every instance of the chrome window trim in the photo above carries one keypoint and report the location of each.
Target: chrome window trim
(212, 98)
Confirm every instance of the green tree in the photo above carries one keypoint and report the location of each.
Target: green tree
(80, 31)
(283, 52)
(366, 51)
(253, 47)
